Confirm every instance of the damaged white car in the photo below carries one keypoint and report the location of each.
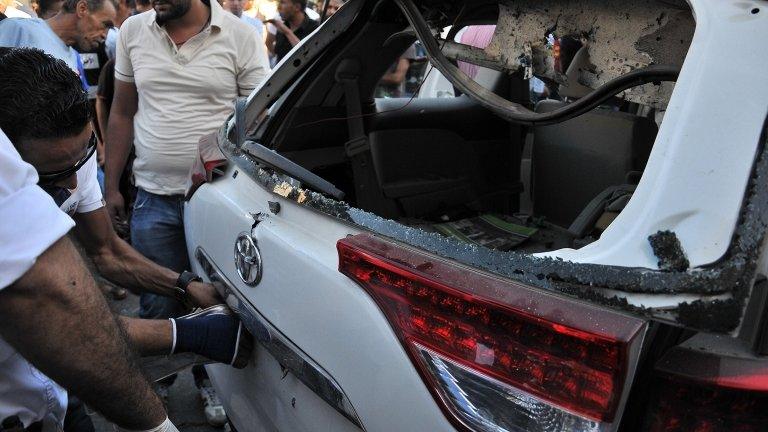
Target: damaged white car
(595, 261)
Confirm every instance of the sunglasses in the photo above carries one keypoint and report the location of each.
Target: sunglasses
(55, 176)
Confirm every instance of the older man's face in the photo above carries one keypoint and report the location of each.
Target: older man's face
(92, 26)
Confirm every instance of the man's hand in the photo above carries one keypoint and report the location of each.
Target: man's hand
(204, 294)
(115, 204)
(279, 25)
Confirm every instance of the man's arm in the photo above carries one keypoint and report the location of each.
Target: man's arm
(270, 42)
(118, 145)
(284, 29)
(57, 319)
(123, 265)
(101, 122)
(398, 75)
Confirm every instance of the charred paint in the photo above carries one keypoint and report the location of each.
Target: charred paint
(667, 248)
(618, 37)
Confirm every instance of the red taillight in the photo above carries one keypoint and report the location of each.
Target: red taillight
(572, 355)
(685, 406)
(699, 389)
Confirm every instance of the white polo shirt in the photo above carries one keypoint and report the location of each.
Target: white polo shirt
(184, 92)
(30, 223)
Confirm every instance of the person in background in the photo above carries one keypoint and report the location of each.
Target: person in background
(333, 6)
(236, 7)
(104, 98)
(165, 100)
(48, 8)
(124, 9)
(291, 26)
(392, 84)
(143, 6)
(81, 24)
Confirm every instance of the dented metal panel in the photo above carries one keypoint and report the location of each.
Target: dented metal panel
(618, 36)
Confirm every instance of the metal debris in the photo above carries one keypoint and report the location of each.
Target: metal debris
(667, 248)
(283, 189)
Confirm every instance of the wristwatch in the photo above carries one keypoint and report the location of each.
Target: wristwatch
(180, 290)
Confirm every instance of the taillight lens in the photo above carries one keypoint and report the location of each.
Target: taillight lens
(472, 335)
(696, 390)
(683, 406)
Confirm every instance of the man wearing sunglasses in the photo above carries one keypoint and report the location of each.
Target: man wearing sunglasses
(48, 299)
(46, 115)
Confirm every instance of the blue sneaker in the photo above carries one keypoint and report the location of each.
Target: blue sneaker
(215, 333)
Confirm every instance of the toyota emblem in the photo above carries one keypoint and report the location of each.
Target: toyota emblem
(247, 259)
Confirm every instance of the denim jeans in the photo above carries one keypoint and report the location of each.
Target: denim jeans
(157, 232)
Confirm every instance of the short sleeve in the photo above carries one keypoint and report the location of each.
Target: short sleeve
(30, 222)
(255, 65)
(123, 65)
(90, 195)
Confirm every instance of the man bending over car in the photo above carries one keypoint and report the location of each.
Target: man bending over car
(47, 116)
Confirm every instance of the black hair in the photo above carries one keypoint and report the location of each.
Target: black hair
(44, 6)
(40, 97)
(302, 3)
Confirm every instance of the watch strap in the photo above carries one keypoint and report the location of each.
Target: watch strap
(180, 290)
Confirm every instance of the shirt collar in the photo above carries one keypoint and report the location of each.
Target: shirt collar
(216, 15)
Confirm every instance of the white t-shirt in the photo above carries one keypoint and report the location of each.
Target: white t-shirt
(29, 224)
(86, 197)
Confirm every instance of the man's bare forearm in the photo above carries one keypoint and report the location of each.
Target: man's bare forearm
(118, 146)
(57, 319)
(148, 337)
(102, 116)
(125, 266)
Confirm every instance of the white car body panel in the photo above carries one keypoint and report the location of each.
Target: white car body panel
(340, 327)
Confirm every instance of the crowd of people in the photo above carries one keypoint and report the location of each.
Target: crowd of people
(102, 104)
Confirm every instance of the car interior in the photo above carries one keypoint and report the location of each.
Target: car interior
(449, 165)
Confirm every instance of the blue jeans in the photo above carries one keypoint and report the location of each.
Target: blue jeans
(100, 178)
(157, 232)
